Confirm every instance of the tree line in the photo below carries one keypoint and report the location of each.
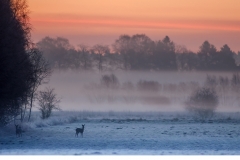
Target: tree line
(137, 52)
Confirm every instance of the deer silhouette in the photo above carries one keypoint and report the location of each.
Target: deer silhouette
(79, 130)
(18, 130)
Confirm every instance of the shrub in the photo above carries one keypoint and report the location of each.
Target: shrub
(203, 102)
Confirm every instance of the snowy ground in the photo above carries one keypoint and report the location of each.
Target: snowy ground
(114, 133)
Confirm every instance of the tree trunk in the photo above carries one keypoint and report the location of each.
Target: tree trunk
(31, 102)
(23, 113)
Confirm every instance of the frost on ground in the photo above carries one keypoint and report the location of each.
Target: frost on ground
(124, 133)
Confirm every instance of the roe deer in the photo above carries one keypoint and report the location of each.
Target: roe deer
(18, 130)
(79, 130)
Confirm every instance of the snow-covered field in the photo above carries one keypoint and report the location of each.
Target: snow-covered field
(124, 133)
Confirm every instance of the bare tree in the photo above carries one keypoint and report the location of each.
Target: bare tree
(123, 47)
(100, 51)
(58, 51)
(41, 72)
(47, 101)
(84, 56)
(135, 51)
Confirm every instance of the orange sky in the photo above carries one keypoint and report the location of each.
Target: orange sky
(186, 22)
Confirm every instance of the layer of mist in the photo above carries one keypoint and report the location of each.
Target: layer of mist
(134, 90)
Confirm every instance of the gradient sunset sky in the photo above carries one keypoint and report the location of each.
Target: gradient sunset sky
(186, 22)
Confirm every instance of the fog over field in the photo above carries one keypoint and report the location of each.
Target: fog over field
(86, 91)
(129, 84)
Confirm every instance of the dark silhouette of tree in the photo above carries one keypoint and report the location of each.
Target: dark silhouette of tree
(83, 57)
(164, 57)
(237, 58)
(16, 75)
(206, 54)
(225, 59)
(187, 61)
(135, 50)
(41, 73)
(99, 51)
(142, 48)
(211, 59)
(57, 51)
(113, 61)
(47, 101)
(123, 46)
